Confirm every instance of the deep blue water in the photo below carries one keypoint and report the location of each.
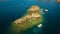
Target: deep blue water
(14, 9)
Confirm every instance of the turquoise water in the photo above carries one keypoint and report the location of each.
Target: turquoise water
(14, 9)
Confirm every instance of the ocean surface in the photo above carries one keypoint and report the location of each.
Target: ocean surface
(11, 10)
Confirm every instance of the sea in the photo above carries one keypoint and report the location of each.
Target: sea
(11, 10)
